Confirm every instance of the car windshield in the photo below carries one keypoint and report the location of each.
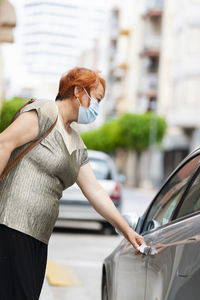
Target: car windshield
(100, 168)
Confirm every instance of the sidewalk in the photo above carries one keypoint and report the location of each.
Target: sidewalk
(46, 293)
(137, 200)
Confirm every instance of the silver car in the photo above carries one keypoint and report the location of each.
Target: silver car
(73, 206)
(169, 268)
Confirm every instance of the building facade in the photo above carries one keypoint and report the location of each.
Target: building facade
(51, 38)
(180, 78)
(161, 74)
(137, 68)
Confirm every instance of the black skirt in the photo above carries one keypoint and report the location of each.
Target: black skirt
(22, 265)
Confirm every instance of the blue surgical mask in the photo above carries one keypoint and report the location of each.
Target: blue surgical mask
(87, 115)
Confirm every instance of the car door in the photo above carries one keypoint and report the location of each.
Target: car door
(176, 262)
(186, 283)
(131, 274)
(170, 235)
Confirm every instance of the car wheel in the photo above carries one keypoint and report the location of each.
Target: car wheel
(108, 229)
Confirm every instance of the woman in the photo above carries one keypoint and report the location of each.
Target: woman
(31, 190)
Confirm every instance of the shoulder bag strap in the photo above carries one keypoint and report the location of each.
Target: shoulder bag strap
(27, 149)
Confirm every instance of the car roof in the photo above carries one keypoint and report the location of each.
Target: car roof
(98, 154)
(192, 154)
(195, 151)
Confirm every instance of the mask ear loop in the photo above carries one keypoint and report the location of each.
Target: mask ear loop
(78, 101)
(90, 96)
(87, 94)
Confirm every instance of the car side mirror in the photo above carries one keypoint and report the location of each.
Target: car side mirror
(131, 219)
(153, 224)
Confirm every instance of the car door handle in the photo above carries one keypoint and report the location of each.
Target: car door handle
(178, 274)
(147, 250)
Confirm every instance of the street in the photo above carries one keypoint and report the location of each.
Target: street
(83, 251)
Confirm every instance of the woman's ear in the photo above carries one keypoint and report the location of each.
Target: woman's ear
(78, 91)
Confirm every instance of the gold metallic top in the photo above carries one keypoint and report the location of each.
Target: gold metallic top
(30, 192)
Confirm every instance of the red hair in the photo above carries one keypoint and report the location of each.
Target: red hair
(80, 77)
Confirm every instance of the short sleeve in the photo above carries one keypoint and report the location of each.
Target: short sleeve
(47, 112)
(84, 157)
(83, 151)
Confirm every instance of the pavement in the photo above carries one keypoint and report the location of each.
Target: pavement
(137, 200)
(46, 293)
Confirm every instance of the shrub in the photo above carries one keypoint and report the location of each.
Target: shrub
(8, 110)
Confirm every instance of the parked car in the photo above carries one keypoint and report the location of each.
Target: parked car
(170, 227)
(73, 205)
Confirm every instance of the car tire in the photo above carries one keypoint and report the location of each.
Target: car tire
(108, 229)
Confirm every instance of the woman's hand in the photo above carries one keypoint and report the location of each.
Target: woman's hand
(134, 238)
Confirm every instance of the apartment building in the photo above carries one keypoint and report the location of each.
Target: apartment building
(138, 53)
(179, 87)
(162, 74)
(137, 66)
(51, 38)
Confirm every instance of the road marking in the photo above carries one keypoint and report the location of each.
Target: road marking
(60, 274)
(82, 263)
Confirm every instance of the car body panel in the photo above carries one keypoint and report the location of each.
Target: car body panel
(130, 266)
(169, 270)
(74, 192)
(162, 276)
(75, 206)
(174, 272)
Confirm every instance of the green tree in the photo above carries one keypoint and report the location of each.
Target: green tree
(136, 130)
(140, 131)
(132, 132)
(8, 110)
(107, 138)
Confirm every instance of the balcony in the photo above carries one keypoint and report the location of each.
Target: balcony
(150, 53)
(152, 43)
(149, 82)
(149, 86)
(151, 94)
(153, 8)
(151, 46)
(125, 32)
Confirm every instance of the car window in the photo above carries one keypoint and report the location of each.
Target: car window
(191, 203)
(166, 201)
(101, 169)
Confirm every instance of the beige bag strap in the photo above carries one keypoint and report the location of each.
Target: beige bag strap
(27, 149)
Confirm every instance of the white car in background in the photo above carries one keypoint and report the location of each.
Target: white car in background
(73, 206)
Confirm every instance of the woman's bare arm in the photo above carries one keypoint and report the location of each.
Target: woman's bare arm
(102, 203)
(23, 130)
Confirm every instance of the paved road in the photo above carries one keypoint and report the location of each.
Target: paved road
(84, 251)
